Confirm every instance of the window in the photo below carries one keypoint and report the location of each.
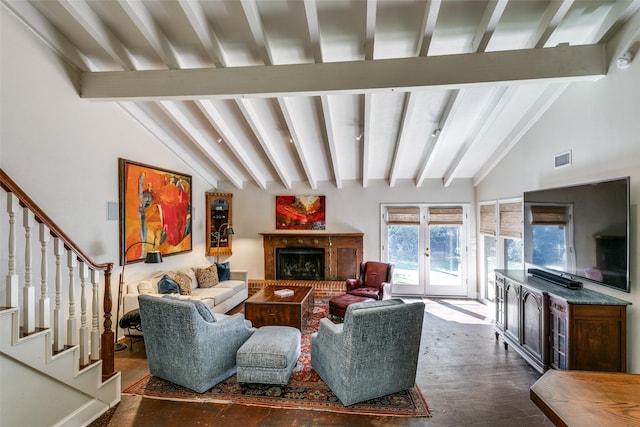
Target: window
(510, 234)
(488, 248)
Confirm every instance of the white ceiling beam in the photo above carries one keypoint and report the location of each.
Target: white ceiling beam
(287, 111)
(183, 122)
(198, 20)
(331, 138)
(267, 144)
(431, 11)
(537, 109)
(311, 14)
(144, 22)
(176, 148)
(553, 15)
(96, 28)
(47, 32)
(620, 12)
(451, 109)
(220, 124)
(482, 124)
(402, 143)
(490, 19)
(562, 63)
(250, 8)
(370, 28)
(366, 142)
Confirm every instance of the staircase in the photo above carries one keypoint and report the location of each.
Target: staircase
(57, 367)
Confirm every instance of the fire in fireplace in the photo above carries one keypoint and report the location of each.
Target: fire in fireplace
(300, 263)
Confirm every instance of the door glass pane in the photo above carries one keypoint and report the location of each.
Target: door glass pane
(403, 253)
(490, 259)
(444, 242)
(513, 254)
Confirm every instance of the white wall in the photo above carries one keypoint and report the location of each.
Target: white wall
(600, 123)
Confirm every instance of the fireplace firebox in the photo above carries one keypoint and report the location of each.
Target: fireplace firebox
(300, 263)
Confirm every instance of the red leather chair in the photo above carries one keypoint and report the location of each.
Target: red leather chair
(374, 281)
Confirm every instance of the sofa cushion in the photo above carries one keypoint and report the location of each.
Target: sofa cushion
(183, 281)
(207, 277)
(148, 287)
(236, 285)
(224, 271)
(217, 294)
(167, 285)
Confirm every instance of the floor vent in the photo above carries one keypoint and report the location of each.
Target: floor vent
(562, 160)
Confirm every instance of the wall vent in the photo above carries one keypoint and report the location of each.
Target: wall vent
(562, 160)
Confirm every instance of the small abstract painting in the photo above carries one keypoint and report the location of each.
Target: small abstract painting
(305, 212)
(155, 210)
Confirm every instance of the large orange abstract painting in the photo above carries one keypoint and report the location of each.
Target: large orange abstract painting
(155, 208)
(305, 212)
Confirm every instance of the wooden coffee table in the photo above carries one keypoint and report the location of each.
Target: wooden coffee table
(267, 309)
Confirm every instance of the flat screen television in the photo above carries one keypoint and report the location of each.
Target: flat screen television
(580, 232)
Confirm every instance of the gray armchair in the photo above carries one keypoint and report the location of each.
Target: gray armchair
(185, 343)
(373, 353)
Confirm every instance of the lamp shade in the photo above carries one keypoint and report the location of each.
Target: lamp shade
(228, 231)
(153, 257)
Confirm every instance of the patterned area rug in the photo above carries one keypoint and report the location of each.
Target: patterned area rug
(305, 389)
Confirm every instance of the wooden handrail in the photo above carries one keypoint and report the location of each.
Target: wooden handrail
(107, 339)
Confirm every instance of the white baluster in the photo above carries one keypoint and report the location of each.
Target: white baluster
(29, 292)
(72, 322)
(12, 276)
(58, 314)
(84, 331)
(45, 302)
(95, 331)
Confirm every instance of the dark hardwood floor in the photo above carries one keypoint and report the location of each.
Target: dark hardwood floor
(466, 376)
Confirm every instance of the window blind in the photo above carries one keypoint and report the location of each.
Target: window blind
(488, 219)
(511, 220)
(549, 215)
(445, 216)
(403, 216)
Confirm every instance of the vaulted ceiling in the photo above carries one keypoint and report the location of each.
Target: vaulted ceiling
(283, 92)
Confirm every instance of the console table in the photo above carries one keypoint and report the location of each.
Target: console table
(555, 327)
(581, 398)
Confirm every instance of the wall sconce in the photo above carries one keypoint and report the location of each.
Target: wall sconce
(624, 60)
(436, 132)
(359, 137)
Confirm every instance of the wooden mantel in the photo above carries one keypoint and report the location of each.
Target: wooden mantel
(342, 251)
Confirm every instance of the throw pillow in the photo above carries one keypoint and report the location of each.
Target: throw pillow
(183, 281)
(167, 285)
(207, 277)
(224, 271)
(146, 287)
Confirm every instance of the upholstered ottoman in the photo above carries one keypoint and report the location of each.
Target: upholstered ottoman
(338, 305)
(269, 355)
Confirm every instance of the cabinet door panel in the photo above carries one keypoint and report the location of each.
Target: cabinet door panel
(532, 323)
(512, 304)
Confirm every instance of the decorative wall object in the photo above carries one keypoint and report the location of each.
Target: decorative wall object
(155, 207)
(304, 212)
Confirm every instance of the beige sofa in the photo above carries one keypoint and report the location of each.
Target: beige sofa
(220, 298)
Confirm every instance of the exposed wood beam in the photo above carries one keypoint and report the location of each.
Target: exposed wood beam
(269, 148)
(451, 109)
(483, 123)
(553, 15)
(331, 138)
(562, 63)
(143, 118)
(537, 109)
(431, 11)
(140, 16)
(402, 143)
(220, 124)
(492, 15)
(370, 28)
(183, 122)
(290, 120)
(198, 20)
(95, 27)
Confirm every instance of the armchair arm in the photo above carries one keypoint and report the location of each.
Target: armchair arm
(239, 275)
(353, 284)
(386, 290)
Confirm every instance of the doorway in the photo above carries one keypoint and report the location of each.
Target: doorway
(427, 245)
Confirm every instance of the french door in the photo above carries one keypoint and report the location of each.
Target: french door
(427, 245)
